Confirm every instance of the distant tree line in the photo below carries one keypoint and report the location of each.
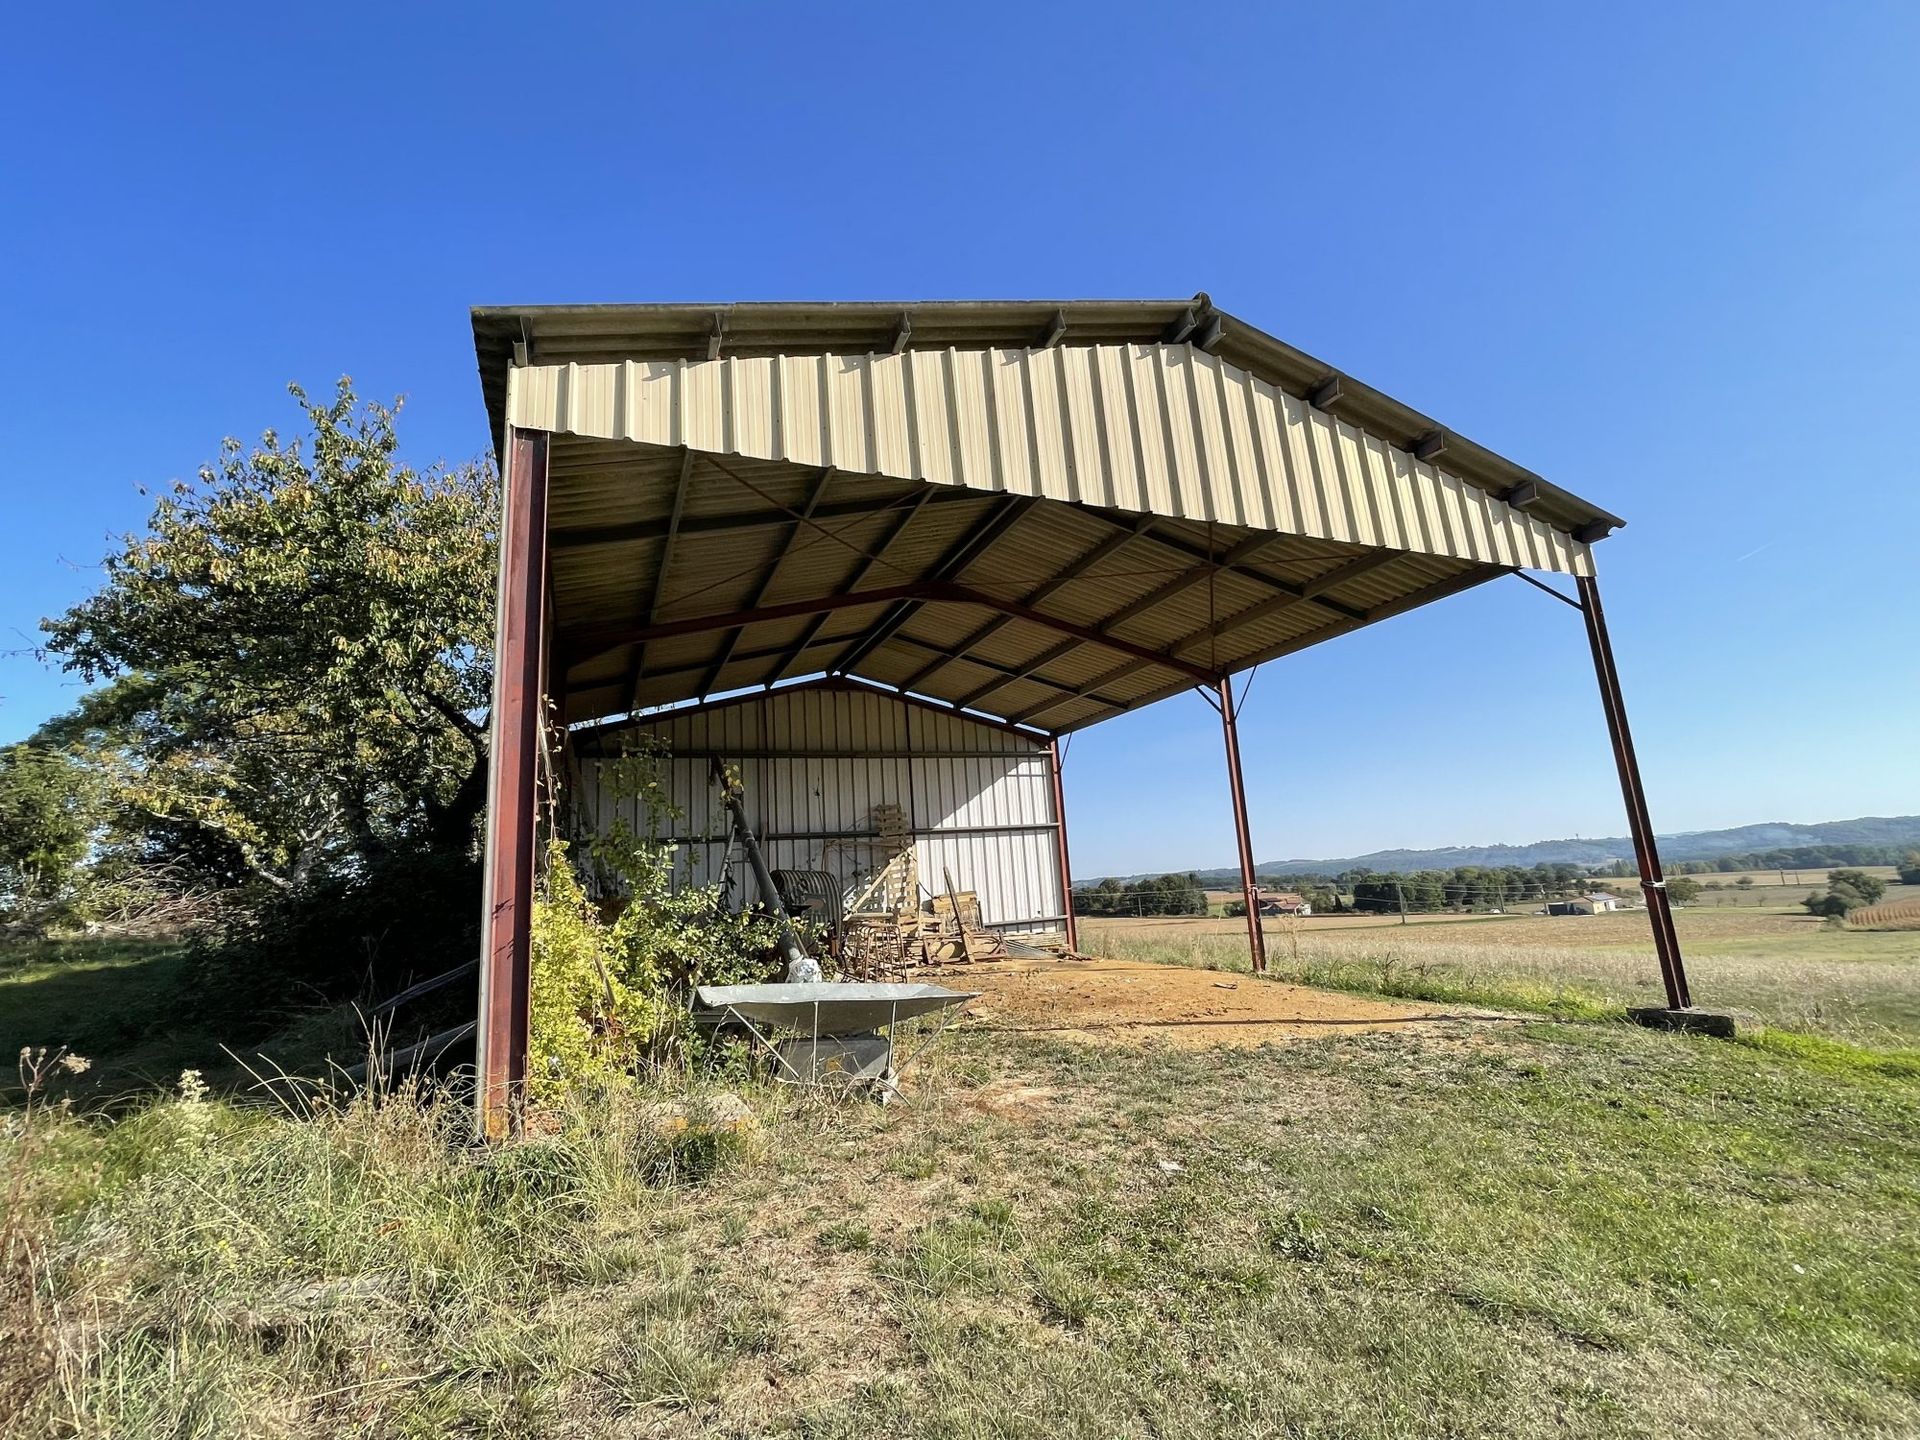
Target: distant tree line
(1149, 895)
(1475, 887)
(1467, 887)
(1799, 857)
(1464, 887)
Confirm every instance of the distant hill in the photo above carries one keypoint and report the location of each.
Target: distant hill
(1689, 845)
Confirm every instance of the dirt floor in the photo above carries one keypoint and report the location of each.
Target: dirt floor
(1131, 1002)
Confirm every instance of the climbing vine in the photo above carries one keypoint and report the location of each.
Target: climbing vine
(613, 976)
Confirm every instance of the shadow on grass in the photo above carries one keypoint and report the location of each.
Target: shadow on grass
(128, 1007)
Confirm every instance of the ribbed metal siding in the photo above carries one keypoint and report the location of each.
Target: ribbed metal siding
(1154, 429)
(815, 761)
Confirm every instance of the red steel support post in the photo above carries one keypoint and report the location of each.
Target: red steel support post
(513, 756)
(1066, 866)
(1256, 937)
(1666, 941)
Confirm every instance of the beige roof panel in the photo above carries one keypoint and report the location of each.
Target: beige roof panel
(1165, 430)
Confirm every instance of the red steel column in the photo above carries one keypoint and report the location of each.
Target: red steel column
(513, 754)
(1066, 867)
(1256, 938)
(1666, 941)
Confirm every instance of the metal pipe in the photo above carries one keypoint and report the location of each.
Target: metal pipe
(1666, 940)
(379, 1067)
(1256, 938)
(1066, 866)
(513, 757)
(786, 938)
(424, 987)
(779, 837)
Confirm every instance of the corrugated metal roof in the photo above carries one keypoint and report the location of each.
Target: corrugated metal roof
(596, 334)
(1078, 574)
(1076, 531)
(1162, 430)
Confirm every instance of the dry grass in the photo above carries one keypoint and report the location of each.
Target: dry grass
(1587, 1230)
(1787, 969)
(1534, 1229)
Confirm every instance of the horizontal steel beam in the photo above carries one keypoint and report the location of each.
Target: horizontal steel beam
(586, 645)
(1076, 570)
(584, 537)
(1440, 590)
(1235, 564)
(589, 643)
(1016, 757)
(748, 657)
(992, 666)
(1036, 827)
(969, 548)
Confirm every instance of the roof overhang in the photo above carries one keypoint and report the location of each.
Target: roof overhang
(1045, 513)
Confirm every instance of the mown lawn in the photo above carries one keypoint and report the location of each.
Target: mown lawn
(1547, 1228)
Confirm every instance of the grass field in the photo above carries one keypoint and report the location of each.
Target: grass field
(1784, 967)
(1552, 1227)
(125, 1005)
(1771, 889)
(1794, 881)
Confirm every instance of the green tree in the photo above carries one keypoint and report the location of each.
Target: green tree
(1910, 868)
(299, 644)
(1870, 888)
(1166, 895)
(49, 812)
(1682, 890)
(1847, 891)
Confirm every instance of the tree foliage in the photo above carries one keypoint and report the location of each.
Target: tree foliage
(1149, 895)
(1465, 887)
(49, 813)
(299, 649)
(1797, 857)
(1847, 891)
(1682, 890)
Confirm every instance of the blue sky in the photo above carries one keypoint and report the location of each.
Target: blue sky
(1662, 254)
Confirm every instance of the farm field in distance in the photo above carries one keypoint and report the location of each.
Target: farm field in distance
(1780, 965)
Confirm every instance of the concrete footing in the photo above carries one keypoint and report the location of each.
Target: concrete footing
(1692, 1022)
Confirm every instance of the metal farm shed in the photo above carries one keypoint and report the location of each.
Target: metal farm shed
(1023, 517)
(817, 760)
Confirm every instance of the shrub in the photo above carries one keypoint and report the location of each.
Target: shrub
(1847, 890)
(610, 995)
(1868, 887)
(403, 917)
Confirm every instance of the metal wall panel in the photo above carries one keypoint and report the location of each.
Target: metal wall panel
(816, 760)
(1154, 429)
